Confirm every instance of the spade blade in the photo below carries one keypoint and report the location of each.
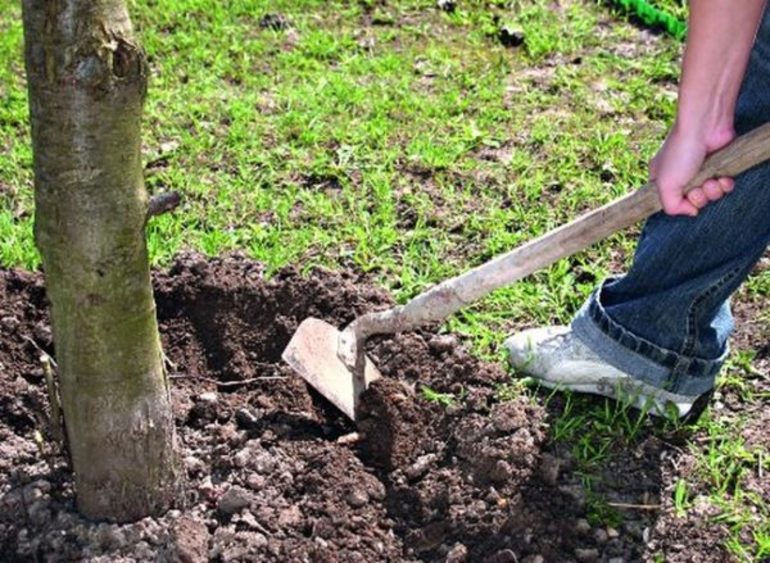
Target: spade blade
(312, 353)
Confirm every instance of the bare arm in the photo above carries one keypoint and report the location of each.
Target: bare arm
(721, 35)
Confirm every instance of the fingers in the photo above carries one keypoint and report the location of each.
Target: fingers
(727, 184)
(675, 204)
(698, 198)
(711, 190)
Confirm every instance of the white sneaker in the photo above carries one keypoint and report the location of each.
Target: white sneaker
(558, 360)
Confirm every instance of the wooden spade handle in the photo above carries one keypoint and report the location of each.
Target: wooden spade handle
(451, 295)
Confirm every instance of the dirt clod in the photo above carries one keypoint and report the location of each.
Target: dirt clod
(511, 37)
(190, 541)
(233, 500)
(274, 22)
(392, 421)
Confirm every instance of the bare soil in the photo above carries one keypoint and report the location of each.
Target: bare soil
(276, 474)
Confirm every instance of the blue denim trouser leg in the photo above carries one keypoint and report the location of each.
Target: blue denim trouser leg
(667, 321)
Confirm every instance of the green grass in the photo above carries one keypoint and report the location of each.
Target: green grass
(596, 432)
(677, 8)
(433, 396)
(407, 143)
(725, 463)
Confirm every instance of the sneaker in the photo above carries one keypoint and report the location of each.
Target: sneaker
(557, 359)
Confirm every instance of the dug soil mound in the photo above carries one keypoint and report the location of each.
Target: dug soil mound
(439, 469)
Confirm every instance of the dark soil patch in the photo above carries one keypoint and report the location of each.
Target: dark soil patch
(276, 474)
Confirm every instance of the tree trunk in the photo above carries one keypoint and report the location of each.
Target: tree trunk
(87, 80)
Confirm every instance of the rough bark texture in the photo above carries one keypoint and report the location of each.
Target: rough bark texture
(87, 81)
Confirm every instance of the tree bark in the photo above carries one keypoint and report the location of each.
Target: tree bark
(87, 80)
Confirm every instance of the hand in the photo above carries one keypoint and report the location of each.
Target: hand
(677, 162)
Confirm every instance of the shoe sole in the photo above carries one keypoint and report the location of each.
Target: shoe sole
(641, 396)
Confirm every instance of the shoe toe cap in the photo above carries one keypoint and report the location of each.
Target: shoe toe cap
(519, 347)
(523, 346)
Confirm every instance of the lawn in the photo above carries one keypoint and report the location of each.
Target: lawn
(407, 144)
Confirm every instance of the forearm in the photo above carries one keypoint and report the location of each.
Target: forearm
(721, 35)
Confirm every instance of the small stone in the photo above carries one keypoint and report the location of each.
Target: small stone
(458, 554)
(290, 517)
(419, 467)
(612, 533)
(357, 498)
(442, 343)
(502, 471)
(264, 463)
(233, 500)
(589, 555)
(582, 526)
(241, 459)
(255, 481)
(616, 560)
(536, 558)
(510, 37)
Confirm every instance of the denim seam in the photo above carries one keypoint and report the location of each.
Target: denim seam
(691, 336)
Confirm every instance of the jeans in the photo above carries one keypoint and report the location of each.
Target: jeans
(667, 321)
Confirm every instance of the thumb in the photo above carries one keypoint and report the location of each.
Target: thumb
(672, 199)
